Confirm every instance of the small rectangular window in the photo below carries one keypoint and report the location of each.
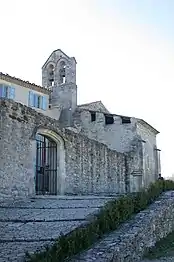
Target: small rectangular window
(37, 101)
(11, 93)
(126, 120)
(31, 99)
(109, 119)
(44, 103)
(5, 91)
(93, 116)
(1, 90)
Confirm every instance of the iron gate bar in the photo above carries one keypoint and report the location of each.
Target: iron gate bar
(46, 165)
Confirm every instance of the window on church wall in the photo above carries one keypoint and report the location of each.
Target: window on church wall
(93, 116)
(125, 120)
(51, 75)
(109, 119)
(51, 83)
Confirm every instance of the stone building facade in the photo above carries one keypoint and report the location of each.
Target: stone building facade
(51, 145)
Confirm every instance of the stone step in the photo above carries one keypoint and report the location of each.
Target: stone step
(41, 215)
(15, 252)
(33, 231)
(54, 203)
(29, 224)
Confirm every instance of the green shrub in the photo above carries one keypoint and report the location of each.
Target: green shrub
(108, 219)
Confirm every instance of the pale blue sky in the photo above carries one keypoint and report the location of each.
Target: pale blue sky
(124, 50)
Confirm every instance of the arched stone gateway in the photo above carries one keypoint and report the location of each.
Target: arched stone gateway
(49, 163)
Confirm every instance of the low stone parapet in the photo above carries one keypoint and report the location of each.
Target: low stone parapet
(132, 239)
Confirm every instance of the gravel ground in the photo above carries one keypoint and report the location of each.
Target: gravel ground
(164, 259)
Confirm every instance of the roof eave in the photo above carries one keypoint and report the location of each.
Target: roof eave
(23, 83)
(151, 127)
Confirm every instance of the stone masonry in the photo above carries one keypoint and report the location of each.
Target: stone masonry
(32, 223)
(88, 167)
(92, 152)
(130, 241)
(134, 134)
(81, 154)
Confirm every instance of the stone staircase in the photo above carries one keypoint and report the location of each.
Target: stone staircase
(29, 224)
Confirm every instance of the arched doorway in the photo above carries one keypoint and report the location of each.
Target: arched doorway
(46, 165)
(49, 163)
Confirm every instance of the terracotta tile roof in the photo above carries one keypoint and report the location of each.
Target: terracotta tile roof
(23, 83)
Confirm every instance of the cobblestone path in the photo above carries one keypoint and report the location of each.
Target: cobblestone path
(27, 225)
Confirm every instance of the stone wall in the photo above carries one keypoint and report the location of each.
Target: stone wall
(135, 168)
(116, 136)
(151, 167)
(124, 137)
(64, 93)
(131, 240)
(90, 167)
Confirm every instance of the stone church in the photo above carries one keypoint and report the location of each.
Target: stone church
(49, 145)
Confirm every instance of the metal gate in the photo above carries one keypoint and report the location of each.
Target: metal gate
(46, 166)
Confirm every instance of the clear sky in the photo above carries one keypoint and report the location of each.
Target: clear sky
(124, 51)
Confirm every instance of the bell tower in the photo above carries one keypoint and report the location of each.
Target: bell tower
(59, 74)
